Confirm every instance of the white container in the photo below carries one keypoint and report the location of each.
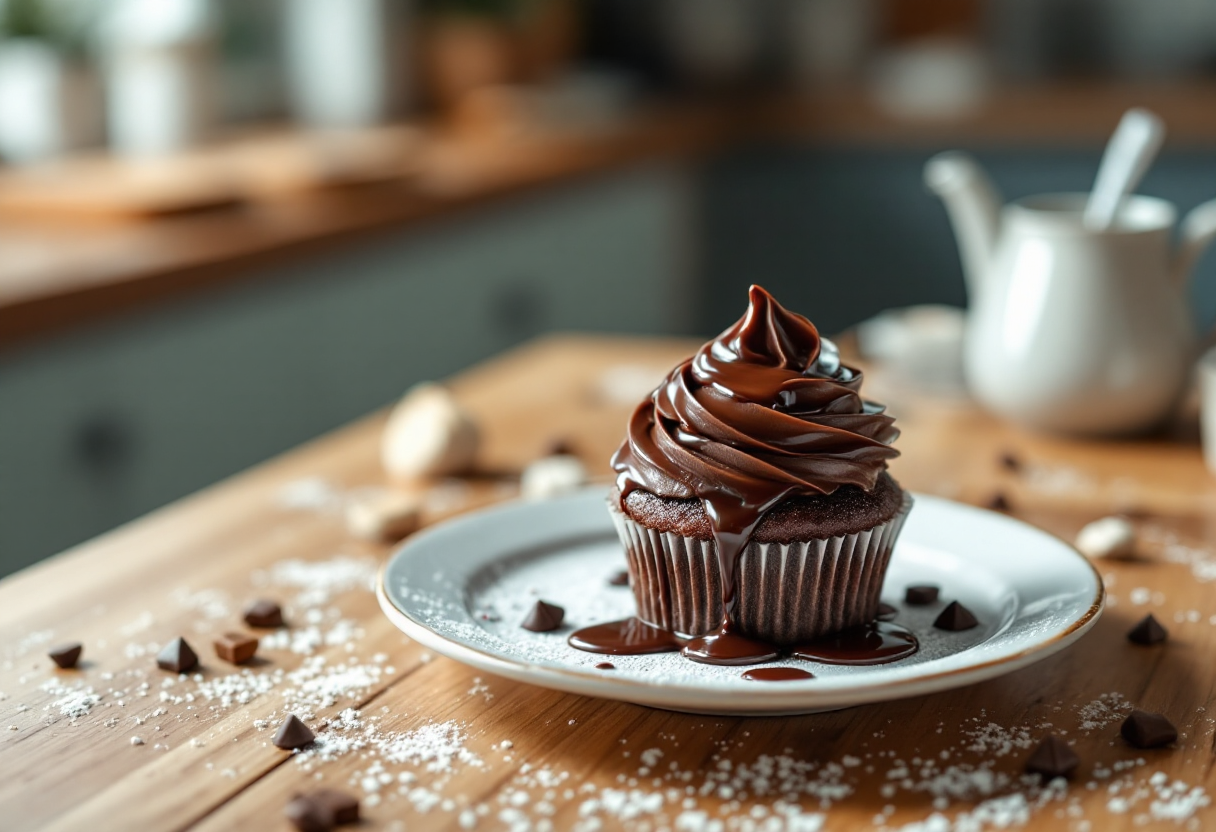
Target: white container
(1072, 330)
(48, 104)
(345, 61)
(1207, 407)
(161, 75)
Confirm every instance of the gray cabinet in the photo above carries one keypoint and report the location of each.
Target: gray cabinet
(102, 425)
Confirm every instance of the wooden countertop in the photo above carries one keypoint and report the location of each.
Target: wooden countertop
(59, 273)
(504, 755)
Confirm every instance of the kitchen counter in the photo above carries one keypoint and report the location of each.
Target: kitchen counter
(119, 744)
(57, 274)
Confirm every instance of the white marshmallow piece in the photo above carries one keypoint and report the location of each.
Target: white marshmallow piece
(428, 435)
(385, 517)
(1110, 537)
(550, 476)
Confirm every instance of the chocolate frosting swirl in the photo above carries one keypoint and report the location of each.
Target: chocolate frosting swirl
(762, 412)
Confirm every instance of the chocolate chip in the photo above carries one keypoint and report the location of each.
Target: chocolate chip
(236, 648)
(886, 612)
(342, 807)
(544, 618)
(1148, 632)
(920, 595)
(265, 614)
(999, 502)
(619, 578)
(66, 655)
(1146, 730)
(559, 447)
(293, 733)
(1010, 462)
(955, 617)
(1052, 758)
(307, 816)
(605, 666)
(177, 657)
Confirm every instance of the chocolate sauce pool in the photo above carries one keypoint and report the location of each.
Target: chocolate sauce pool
(627, 637)
(879, 642)
(777, 674)
(876, 643)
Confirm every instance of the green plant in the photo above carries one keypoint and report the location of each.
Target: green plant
(66, 25)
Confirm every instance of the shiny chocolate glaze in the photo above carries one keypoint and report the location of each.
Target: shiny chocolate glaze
(627, 637)
(876, 643)
(777, 674)
(763, 412)
(879, 642)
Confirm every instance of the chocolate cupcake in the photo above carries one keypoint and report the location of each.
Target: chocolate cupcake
(752, 494)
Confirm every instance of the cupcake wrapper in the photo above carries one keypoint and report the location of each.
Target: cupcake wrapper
(788, 592)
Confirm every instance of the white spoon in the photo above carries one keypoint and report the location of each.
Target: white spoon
(1128, 155)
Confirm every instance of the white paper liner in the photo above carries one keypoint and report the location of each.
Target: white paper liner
(788, 592)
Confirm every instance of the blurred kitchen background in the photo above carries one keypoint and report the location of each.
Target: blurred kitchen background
(227, 227)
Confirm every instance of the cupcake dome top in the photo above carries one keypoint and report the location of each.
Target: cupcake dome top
(762, 412)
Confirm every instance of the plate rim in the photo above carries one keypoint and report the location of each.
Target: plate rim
(774, 700)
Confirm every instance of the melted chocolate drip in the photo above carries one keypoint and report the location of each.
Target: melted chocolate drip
(729, 648)
(763, 412)
(605, 666)
(627, 637)
(876, 643)
(777, 674)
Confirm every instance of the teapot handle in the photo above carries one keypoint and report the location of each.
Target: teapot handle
(1197, 230)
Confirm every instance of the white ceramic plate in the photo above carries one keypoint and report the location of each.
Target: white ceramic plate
(461, 589)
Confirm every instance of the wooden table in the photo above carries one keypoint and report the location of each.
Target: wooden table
(528, 758)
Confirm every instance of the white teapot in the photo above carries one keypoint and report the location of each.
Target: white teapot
(1073, 330)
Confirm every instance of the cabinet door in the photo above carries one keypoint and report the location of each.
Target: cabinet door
(102, 425)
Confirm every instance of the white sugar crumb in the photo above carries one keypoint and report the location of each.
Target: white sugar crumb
(137, 741)
(1200, 560)
(72, 702)
(1102, 711)
(310, 494)
(998, 741)
(318, 581)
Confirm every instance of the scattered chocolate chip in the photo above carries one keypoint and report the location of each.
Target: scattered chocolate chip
(920, 595)
(999, 502)
(342, 807)
(559, 447)
(620, 578)
(1148, 632)
(886, 612)
(1145, 730)
(307, 816)
(544, 618)
(177, 657)
(605, 666)
(955, 617)
(293, 733)
(1011, 462)
(66, 655)
(236, 648)
(1052, 758)
(265, 614)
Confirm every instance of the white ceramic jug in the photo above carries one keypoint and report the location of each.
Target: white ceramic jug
(1072, 330)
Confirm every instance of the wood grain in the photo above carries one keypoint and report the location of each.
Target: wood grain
(149, 581)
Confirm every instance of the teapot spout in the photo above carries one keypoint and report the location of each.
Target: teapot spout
(973, 205)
